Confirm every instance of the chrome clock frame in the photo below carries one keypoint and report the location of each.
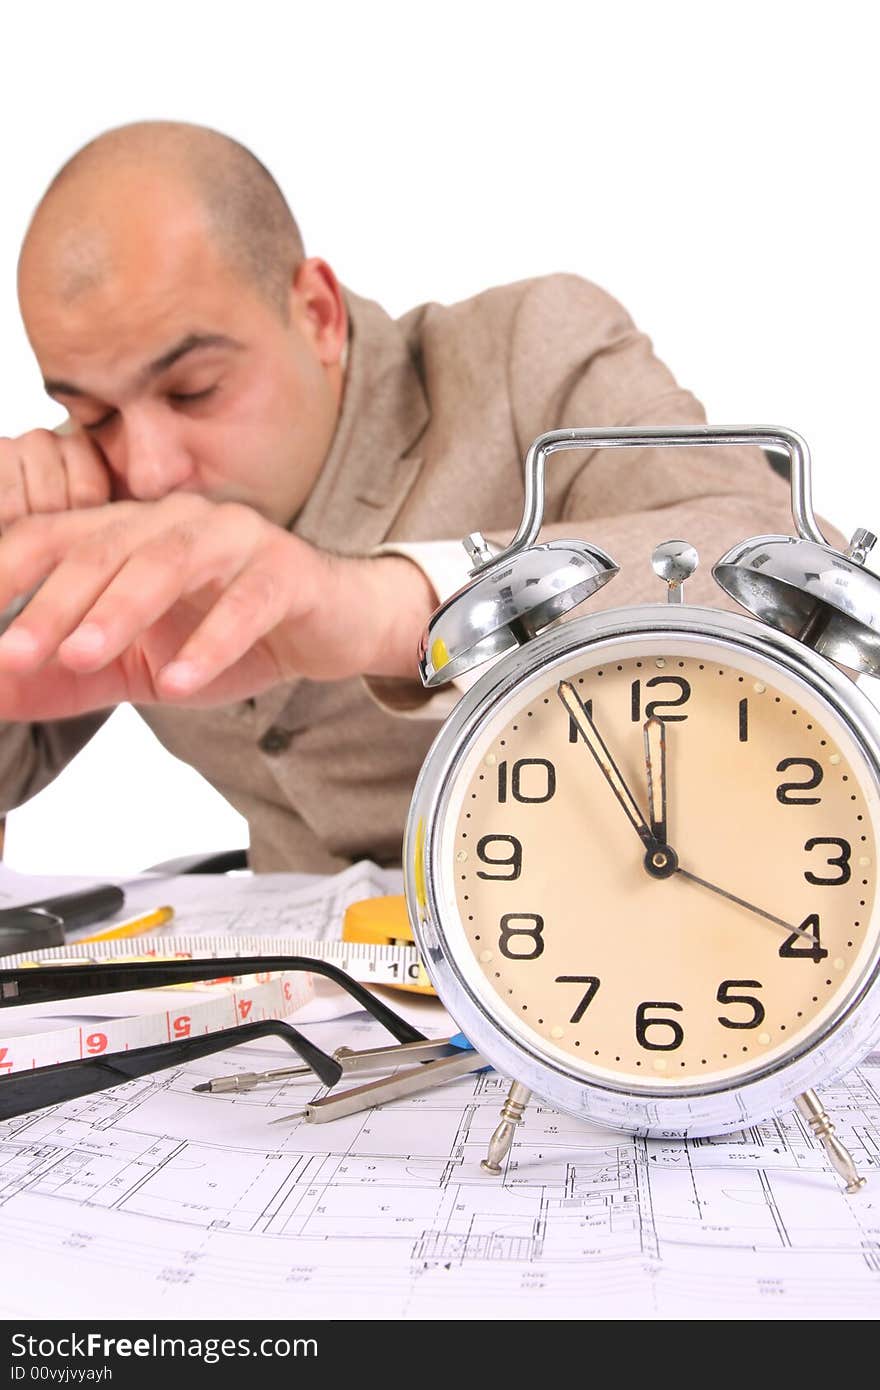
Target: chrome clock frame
(848, 1033)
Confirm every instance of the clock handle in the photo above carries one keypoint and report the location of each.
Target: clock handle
(802, 585)
(635, 438)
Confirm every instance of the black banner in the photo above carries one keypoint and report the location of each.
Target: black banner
(170, 1354)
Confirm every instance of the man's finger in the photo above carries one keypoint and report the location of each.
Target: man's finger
(252, 604)
(171, 566)
(67, 590)
(88, 478)
(45, 473)
(33, 545)
(54, 693)
(42, 467)
(13, 493)
(36, 545)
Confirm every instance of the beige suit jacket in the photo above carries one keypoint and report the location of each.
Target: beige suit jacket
(439, 408)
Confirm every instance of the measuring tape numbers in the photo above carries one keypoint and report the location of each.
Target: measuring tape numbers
(246, 1000)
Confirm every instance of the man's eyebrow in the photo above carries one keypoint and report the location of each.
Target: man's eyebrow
(193, 342)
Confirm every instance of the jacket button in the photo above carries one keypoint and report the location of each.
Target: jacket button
(275, 740)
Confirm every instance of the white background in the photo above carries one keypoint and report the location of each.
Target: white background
(714, 167)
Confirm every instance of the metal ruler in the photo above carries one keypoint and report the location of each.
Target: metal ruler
(175, 1015)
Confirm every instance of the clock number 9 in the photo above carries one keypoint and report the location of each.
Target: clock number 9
(511, 861)
(534, 935)
(643, 1024)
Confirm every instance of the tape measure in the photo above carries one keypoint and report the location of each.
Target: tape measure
(385, 922)
(234, 1002)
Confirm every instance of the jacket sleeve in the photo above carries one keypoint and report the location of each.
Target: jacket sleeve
(600, 370)
(31, 755)
(576, 358)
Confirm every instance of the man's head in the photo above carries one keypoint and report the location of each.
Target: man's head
(166, 294)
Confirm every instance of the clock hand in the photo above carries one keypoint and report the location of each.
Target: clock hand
(654, 731)
(660, 859)
(658, 854)
(655, 763)
(770, 916)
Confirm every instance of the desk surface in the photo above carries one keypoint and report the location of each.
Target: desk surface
(181, 1205)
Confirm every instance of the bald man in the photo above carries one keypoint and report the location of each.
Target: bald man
(255, 505)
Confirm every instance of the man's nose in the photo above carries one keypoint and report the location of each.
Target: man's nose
(156, 458)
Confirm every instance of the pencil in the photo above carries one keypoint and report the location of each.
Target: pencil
(138, 926)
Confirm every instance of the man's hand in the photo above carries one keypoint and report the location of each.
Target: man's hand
(190, 602)
(45, 472)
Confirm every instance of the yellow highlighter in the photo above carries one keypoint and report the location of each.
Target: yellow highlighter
(138, 926)
(384, 922)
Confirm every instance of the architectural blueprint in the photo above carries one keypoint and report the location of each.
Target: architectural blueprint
(210, 904)
(150, 1201)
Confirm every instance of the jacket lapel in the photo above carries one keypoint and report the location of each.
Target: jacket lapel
(369, 469)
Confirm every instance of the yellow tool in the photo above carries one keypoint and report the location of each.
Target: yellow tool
(138, 926)
(384, 922)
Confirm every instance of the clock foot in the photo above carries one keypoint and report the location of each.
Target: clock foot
(511, 1115)
(841, 1159)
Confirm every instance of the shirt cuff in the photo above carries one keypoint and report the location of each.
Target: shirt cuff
(445, 564)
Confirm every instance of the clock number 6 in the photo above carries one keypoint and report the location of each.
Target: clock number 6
(643, 1024)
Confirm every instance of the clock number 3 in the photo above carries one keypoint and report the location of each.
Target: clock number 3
(841, 860)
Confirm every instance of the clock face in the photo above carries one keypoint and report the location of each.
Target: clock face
(653, 952)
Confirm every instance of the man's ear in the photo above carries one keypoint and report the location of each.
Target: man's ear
(317, 306)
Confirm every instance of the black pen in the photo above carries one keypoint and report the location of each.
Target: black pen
(31, 926)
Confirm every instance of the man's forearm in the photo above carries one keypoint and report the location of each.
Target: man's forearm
(392, 602)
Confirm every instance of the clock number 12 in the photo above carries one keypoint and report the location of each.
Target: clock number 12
(655, 708)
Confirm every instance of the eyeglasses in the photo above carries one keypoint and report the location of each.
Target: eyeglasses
(23, 1091)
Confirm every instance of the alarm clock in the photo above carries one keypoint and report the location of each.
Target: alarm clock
(641, 854)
